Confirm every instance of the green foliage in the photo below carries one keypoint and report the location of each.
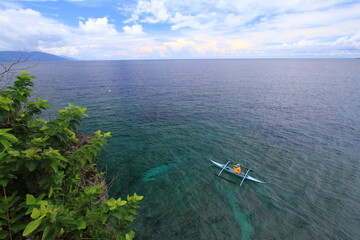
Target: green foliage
(44, 193)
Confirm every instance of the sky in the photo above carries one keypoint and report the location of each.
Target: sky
(182, 29)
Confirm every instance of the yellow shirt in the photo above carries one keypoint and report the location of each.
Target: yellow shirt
(237, 170)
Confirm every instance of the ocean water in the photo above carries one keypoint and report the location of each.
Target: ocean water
(295, 122)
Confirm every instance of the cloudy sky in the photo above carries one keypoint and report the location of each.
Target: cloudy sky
(154, 29)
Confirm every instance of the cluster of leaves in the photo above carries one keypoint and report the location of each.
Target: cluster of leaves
(43, 192)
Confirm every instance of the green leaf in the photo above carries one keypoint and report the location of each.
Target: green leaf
(104, 218)
(31, 152)
(107, 134)
(51, 191)
(54, 167)
(4, 182)
(5, 107)
(111, 202)
(81, 225)
(3, 234)
(121, 202)
(45, 233)
(11, 201)
(4, 103)
(5, 143)
(14, 153)
(133, 211)
(130, 218)
(44, 128)
(61, 232)
(5, 100)
(31, 165)
(8, 136)
(35, 213)
(31, 227)
(30, 199)
(137, 197)
(130, 235)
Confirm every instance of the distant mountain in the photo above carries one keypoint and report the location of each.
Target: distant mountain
(12, 56)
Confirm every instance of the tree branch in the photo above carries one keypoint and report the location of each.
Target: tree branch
(7, 71)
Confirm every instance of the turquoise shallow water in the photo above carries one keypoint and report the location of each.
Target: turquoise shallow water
(295, 122)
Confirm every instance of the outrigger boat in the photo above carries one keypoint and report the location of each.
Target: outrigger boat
(242, 174)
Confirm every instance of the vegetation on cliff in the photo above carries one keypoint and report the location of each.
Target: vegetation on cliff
(50, 188)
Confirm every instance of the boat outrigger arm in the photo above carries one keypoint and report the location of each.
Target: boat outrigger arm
(223, 168)
(245, 176)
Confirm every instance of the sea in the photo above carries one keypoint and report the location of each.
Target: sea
(294, 122)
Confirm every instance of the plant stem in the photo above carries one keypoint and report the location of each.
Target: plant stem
(7, 213)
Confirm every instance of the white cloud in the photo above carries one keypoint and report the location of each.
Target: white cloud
(133, 30)
(6, 4)
(62, 51)
(232, 20)
(94, 38)
(345, 45)
(24, 29)
(98, 27)
(201, 21)
(349, 41)
(316, 18)
(154, 10)
(192, 29)
(230, 14)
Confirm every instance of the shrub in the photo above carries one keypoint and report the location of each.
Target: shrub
(44, 178)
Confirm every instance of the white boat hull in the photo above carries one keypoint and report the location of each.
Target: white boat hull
(230, 170)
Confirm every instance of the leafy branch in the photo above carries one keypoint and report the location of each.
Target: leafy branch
(51, 188)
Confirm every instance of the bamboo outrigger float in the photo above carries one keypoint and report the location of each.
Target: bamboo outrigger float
(227, 168)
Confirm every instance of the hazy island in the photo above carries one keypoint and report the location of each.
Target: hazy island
(13, 56)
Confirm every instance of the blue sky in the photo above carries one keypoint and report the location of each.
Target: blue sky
(172, 29)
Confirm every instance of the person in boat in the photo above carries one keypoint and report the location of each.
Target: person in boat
(237, 168)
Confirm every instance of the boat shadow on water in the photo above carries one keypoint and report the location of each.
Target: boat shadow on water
(228, 180)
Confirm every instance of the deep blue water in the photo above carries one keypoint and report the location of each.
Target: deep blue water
(295, 122)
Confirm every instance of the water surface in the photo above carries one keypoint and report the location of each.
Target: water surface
(295, 122)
